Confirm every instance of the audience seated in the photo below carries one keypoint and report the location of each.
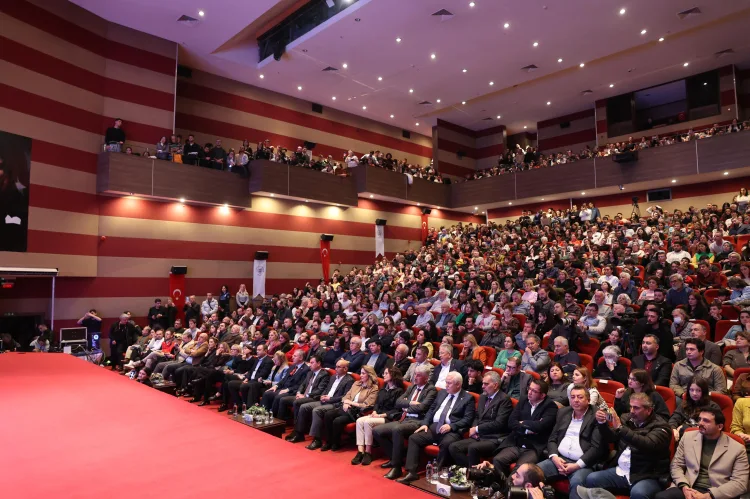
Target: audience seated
(687, 413)
(695, 364)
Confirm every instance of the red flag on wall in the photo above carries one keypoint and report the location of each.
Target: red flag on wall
(325, 258)
(177, 292)
(425, 229)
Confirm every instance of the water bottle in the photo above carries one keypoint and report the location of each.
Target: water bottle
(428, 472)
(435, 476)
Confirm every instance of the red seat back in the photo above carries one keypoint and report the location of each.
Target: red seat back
(587, 361)
(722, 327)
(725, 403)
(669, 397)
(589, 347)
(730, 312)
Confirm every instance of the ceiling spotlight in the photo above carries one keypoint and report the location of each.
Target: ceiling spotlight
(705, 83)
(549, 103)
(492, 83)
(307, 200)
(392, 116)
(622, 12)
(433, 56)
(380, 78)
(643, 31)
(364, 108)
(506, 25)
(345, 65)
(182, 200)
(416, 124)
(471, 4)
(661, 39)
(438, 101)
(542, 199)
(525, 127)
(438, 207)
(419, 204)
(536, 44)
(611, 85)
(582, 64)
(371, 196)
(226, 205)
(272, 195)
(463, 102)
(201, 13)
(560, 59)
(261, 77)
(674, 180)
(498, 116)
(464, 70)
(333, 98)
(686, 64)
(398, 40)
(299, 87)
(583, 194)
(411, 90)
(509, 202)
(476, 207)
(726, 173)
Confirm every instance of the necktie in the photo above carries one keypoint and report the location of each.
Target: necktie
(444, 412)
(487, 403)
(310, 385)
(416, 394)
(414, 397)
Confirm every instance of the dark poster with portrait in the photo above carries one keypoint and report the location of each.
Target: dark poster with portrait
(15, 171)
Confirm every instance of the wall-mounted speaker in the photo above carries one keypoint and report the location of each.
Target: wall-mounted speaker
(406, 134)
(460, 154)
(184, 71)
(326, 237)
(178, 270)
(261, 255)
(380, 221)
(426, 211)
(565, 124)
(310, 145)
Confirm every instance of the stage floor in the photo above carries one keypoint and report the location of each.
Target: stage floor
(69, 429)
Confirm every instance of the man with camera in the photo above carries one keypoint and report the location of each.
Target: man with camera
(658, 366)
(526, 482)
(641, 439)
(490, 424)
(575, 443)
(564, 326)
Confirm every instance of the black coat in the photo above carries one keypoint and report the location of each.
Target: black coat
(319, 385)
(266, 365)
(661, 368)
(666, 340)
(492, 421)
(589, 437)
(541, 423)
(386, 400)
(426, 397)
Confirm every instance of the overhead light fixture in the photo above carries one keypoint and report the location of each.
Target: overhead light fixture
(622, 12)
(306, 200)
(643, 32)
(261, 76)
(492, 83)
(471, 4)
(510, 202)
(542, 199)
(437, 207)
(333, 98)
(433, 56)
(345, 65)
(380, 78)
(226, 205)
(272, 195)
(182, 200)
(299, 87)
(705, 83)
(364, 108)
(674, 180)
(583, 194)
(549, 103)
(476, 207)
(419, 204)
(463, 102)
(560, 59)
(411, 90)
(686, 64)
(582, 64)
(525, 127)
(498, 116)
(726, 173)
(661, 39)
(464, 70)
(371, 196)
(611, 85)
(438, 101)
(201, 13)
(506, 25)
(398, 40)
(416, 124)
(392, 116)
(482, 213)
(536, 44)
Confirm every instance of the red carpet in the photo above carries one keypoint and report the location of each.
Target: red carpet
(71, 429)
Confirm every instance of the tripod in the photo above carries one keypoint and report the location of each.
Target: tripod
(636, 211)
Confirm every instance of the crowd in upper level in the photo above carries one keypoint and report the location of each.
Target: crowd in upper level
(541, 342)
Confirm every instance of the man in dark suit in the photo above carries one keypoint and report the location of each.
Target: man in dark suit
(401, 359)
(259, 368)
(514, 382)
(309, 390)
(531, 423)
(355, 356)
(289, 383)
(658, 366)
(338, 386)
(377, 359)
(447, 364)
(575, 443)
(490, 424)
(386, 340)
(316, 348)
(413, 405)
(449, 417)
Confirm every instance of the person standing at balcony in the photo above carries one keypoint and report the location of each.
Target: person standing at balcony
(191, 151)
(218, 156)
(114, 138)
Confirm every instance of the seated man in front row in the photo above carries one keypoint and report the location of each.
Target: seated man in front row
(708, 464)
(449, 417)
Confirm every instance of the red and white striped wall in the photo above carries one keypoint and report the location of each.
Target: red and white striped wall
(460, 150)
(570, 132)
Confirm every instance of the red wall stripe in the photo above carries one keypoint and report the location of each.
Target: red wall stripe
(447, 168)
(39, 62)
(406, 209)
(62, 156)
(64, 114)
(454, 147)
(601, 126)
(727, 97)
(72, 33)
(53, 198)
(567, 139)
(244, 104)
(490, 151)
(588, 113)
(61, 243)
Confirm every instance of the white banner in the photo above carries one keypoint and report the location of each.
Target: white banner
(259, 278)
(379, 240)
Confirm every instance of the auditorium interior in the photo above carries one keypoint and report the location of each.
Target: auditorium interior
(454, 248)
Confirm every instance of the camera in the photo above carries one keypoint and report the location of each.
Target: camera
(501, 485)
(625, 320)
(565, 321)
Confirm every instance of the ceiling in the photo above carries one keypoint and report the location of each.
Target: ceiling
(364, 36)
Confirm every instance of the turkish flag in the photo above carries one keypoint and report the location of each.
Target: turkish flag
(325, 258)
(177, 292)
(425, 230)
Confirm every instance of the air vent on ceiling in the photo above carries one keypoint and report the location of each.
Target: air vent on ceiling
(443, 14)
(425, 103)
(587, 92)
(723, 53)
(530, 68)
(695, 11)
(330, 68)
(188, 21)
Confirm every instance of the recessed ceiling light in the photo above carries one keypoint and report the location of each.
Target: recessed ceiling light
(411, 90)
(611, 85)
(438, 207)
(438, 101)
(345, 65)
(261, 77)
(419, 204)
(416, 124)
(560, 59)
(364, 108)
(536, 44)
(643, 31)
(182, 200)
(726, 173)
(201, 13)
(492, 83)
(463, 102)
(271, 195)
(306, 200)
(482, 213)
(525, 127)
(549, 103)
(380, 78)
(464, 70)
(661, 39)
(226, 205)
(686, 64)
(371, 196)
(622, 12)
(433, 56)
(392, 116)
(333, 98)
(471, 4)
(705, 83)
(498, 116)
(476, 207)
(398, 40)
(299, 87)
(674, 180)
(506, 25)
(582, 64)
(509, 202)
(542, 199)
(583, 194)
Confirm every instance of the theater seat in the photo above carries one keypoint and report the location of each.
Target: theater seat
(607, 389)
(669, 397)
(730, 312)
(589, 347)
(587, 361)
(722, 327)
(725, 403)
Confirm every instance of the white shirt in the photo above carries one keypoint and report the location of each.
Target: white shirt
(436, 417)
(623, 464)
(335, 384)
(444, 370)
(570, 445)
(674, 256)
(611, 280)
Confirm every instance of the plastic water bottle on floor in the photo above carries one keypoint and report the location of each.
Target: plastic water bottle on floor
(435, 476)
(428, 472)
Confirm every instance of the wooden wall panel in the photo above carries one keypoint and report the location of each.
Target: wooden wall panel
(577, 176)
(486, 190)
(426, 192)
(725, 152)
(652, 164)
